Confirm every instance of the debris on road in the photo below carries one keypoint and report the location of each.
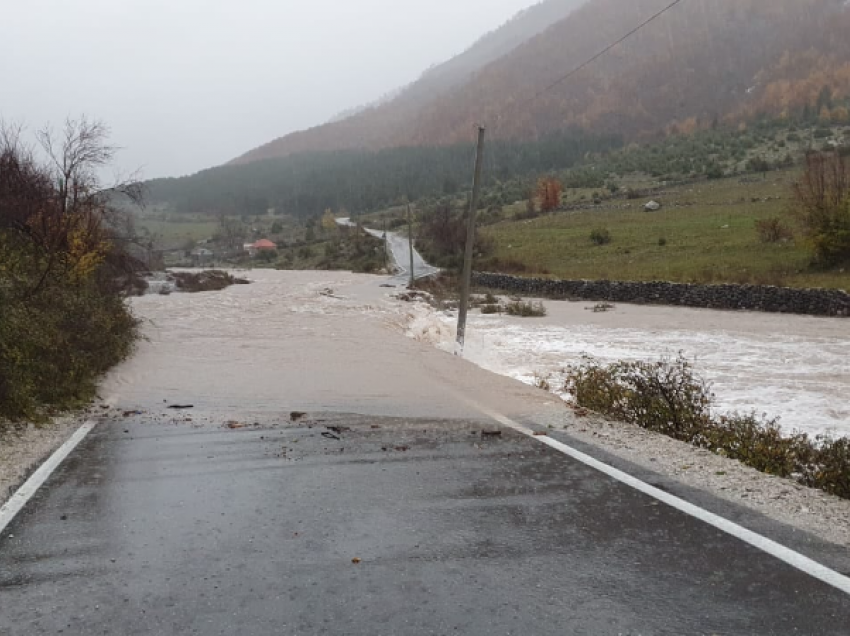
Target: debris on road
(181, 406)
(296, 415)
(491, 433)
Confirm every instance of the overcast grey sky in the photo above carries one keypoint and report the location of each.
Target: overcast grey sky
(188, 84)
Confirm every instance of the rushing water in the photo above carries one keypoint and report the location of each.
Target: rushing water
(795, 368)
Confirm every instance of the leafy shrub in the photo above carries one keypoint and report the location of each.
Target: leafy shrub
(757, 442)
(525, 309)
(758, 164)
(822, 133)
(773, 230)
(668, 397)
(829, 467)
(662, 396)
(600, 236)
(714, 171)
(491, 309)
(662, 242)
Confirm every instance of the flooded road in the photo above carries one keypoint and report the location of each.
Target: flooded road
(398, 244)
(301, 333)
(299, 340)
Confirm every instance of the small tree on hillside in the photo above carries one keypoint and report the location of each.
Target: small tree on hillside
(329, 223)
(530, 206)
(549, 192)
(822, 196)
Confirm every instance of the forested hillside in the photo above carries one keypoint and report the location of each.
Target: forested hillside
(703, 61)
(306, 184)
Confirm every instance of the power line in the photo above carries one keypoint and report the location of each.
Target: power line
(587, 63)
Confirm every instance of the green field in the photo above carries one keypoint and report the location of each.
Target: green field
(707, 230)
(169, 233)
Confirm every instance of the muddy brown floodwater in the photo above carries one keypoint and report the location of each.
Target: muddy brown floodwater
(300, 340)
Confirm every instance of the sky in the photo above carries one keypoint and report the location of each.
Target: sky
(189, 84)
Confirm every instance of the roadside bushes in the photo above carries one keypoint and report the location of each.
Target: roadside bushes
(668, 397)
(54, 347)
(64, 270)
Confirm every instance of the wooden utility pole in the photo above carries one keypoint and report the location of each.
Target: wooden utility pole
(386, 248)
(466, 282)
(410, 243)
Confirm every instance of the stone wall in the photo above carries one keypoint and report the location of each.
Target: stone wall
(814, 302)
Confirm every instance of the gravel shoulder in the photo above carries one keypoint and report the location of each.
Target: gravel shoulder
(818, 513)
(23, 450)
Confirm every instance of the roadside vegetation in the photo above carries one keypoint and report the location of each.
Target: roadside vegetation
(64, 269)
(668, 397)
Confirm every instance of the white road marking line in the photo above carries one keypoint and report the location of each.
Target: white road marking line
(787, 555)
(16, 502)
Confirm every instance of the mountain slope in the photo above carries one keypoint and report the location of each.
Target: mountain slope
(703, 61)
(377, 124)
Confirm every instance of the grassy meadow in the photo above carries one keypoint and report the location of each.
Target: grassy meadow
(706, 233)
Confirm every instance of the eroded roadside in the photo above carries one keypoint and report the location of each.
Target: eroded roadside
(818, 513)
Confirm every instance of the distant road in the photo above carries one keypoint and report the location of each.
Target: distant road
(400, 248)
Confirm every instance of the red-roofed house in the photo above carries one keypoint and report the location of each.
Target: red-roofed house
(263, 245)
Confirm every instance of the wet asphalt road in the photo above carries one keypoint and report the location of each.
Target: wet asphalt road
(160, 527)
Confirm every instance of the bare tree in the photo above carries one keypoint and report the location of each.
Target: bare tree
(62, 206)
(822, 197)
